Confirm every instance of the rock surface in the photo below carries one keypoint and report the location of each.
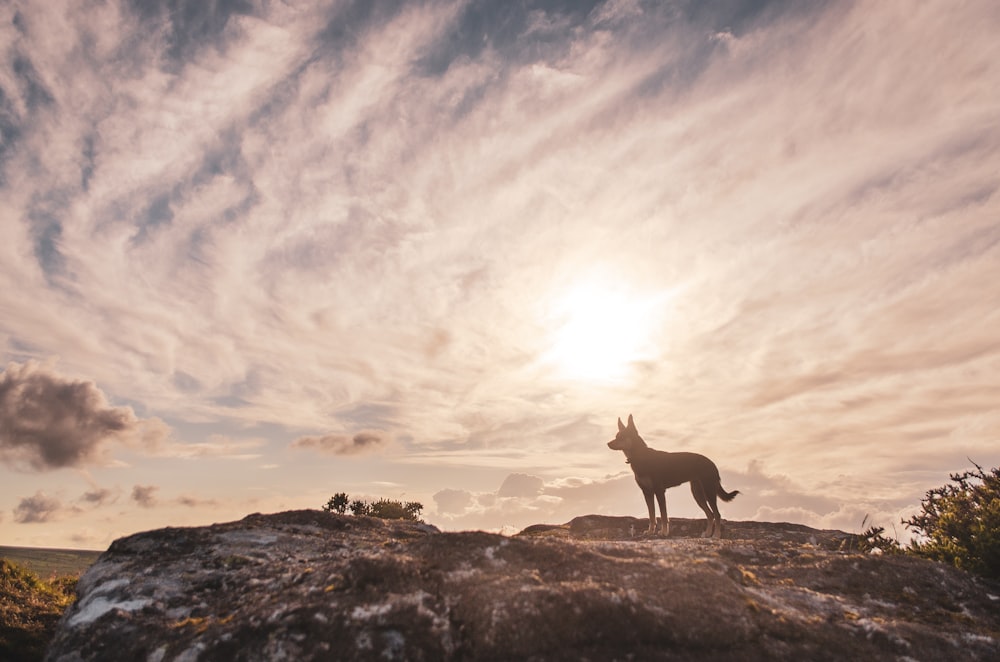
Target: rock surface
(307, 585)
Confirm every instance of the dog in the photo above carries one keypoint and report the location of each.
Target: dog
(655, 471)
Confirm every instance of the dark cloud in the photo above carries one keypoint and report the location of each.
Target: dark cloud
(158, 213)
(10, 131)
(145, 495)
(37, 509)
(49, 422)
(33, 89)
(46, 229)
(190, 24)
(349, 22)
(99, 496)
(339, 444)
(195, 502)
(89, 158)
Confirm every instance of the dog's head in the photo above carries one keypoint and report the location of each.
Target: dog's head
(627, 438)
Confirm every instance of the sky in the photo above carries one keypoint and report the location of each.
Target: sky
(255, 253)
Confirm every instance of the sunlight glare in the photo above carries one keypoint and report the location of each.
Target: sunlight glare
(601, 331)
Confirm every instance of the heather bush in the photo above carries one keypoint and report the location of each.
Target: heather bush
(959, 523)
(383, 508)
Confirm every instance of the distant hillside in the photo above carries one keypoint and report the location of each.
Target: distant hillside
(50, 562)
(311, 585)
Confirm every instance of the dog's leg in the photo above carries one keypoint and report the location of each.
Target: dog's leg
(661, 497)
(698, 492)
(648, 494)
(712, 494)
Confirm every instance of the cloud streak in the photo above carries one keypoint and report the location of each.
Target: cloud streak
(99, 496)
(339, 444)
(276, 225)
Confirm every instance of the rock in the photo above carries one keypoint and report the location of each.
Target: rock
(310, 585)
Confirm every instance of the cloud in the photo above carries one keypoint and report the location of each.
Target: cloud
(87, 539)
(50, 422)
(339, 444)
(215, 446)
(145, 495)
(38, 509)
(520, 485)
(524, 499)
(451, 501)
(99, 496)
(195, 502)
(549, 112)
(774, 497)
(360, 216)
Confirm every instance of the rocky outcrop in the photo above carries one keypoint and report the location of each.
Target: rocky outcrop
(310, 585)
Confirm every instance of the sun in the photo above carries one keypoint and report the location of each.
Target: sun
(601, 331)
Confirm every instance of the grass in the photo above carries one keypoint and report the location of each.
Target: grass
(50, 562)
(30, 607)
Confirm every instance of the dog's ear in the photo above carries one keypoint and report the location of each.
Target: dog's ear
(621, 428)
(631, 423)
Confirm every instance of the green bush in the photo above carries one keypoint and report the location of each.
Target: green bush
(337, 503)
(383, 508)
(30, 608)
(874, 538)
(959, 523)
(389, 509)
(359, 507)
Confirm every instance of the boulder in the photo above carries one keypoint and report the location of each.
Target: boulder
(311, 585)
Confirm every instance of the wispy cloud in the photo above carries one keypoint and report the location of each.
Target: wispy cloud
(215, 446)
(322, 217)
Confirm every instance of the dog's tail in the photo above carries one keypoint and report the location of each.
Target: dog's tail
(726, 496)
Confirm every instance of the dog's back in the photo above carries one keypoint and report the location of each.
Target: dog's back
(666, 469)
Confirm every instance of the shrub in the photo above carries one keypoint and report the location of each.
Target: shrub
(359, 507)
(337, 503)
(30, 608)
(873, 539)
(959, 523)
(383, 508)
(388, 509)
